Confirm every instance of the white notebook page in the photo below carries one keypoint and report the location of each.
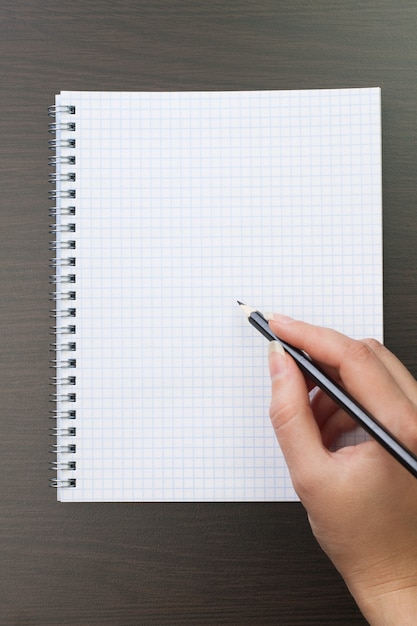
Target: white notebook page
(186, 203)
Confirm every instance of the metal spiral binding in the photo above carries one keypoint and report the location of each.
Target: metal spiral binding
(63, 214)
(63, 160)
(54, 127)
(68, 210)
(68, 262)
(58, 280)
(68, 482)
(54, 194)
(71, 465)
(54, 144)
(54, 109)
(71, 312)
(65, 245)
(70, 414)
(54, 178)
(62, 228)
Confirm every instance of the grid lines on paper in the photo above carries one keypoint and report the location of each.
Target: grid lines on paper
(187, 203)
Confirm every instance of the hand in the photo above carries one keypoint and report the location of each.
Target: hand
(361, 503)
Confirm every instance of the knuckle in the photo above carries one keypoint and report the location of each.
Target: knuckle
(283, 414)
(277, 413)
(359, 351)
(375, 345)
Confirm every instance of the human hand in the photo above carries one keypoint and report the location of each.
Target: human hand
(361, 503)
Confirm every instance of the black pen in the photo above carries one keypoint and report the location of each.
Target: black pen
(336, 393)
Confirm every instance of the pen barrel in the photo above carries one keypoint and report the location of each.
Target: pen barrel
(369, 423)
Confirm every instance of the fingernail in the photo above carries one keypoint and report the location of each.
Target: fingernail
(277, 317)
(277, 358)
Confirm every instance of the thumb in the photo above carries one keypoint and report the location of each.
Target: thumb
(293, 420)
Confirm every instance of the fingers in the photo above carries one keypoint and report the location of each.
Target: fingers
(374, 377)
(398, 371)
(331, 419)
(292, 418)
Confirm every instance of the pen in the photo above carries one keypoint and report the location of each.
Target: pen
(337, 393)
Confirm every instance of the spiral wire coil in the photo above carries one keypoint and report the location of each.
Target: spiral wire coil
(63, 399)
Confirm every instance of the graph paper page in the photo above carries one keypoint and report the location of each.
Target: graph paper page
(186, 203)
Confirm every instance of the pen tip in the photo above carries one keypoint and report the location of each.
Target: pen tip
(246, 309)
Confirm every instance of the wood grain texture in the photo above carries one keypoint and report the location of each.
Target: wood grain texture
(192, 563)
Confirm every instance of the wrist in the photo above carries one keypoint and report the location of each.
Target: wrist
(392, 608)
(390, 602)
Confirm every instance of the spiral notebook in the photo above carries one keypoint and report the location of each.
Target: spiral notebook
(168, 208)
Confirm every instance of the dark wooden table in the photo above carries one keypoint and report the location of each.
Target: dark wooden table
(123, 564)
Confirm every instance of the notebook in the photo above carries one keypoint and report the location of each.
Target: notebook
(168, 208)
